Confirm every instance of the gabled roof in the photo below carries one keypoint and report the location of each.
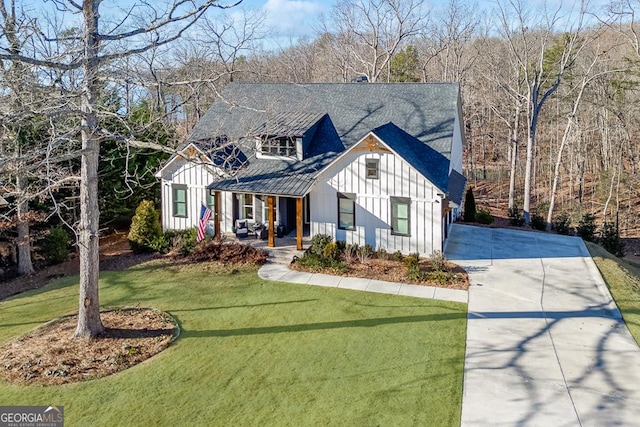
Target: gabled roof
(432, 165)
(221, 153)
(425, 110)
(455, 189)
(421, 116)
(286, 177)
(218, 152)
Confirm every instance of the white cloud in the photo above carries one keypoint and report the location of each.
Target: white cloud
(293, 18)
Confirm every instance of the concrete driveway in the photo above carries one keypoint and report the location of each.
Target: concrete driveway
(545, 342)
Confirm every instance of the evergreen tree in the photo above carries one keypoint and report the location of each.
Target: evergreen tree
(469, 206)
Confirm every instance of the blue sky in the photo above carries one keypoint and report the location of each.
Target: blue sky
(291, 18)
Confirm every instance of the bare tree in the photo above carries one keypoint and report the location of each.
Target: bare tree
(587, 73)
(543, 58)
(374, 30)
(447, 48)
(139, 28)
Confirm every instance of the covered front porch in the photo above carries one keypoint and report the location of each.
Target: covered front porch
(262, 216)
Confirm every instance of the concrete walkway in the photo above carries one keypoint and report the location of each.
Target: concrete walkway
(545, 342)
(280, 272)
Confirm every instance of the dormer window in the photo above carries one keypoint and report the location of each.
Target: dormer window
(279, 146)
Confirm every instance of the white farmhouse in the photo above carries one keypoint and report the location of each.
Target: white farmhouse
(377, 164)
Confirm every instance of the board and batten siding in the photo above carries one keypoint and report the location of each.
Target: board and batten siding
(196, 178)
(373, 203)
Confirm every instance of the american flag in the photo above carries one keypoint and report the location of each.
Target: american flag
(205, 214)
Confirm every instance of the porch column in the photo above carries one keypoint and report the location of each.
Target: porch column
(299, 225)
(271, 202)
(216, 214)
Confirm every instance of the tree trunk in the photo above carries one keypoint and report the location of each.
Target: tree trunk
(526, 205)
(25, 265)
(556, 173)
(514, 157)
(563, 143)
(89, 323)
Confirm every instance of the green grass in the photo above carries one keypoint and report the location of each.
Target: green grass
(253, 352)
(623, 279)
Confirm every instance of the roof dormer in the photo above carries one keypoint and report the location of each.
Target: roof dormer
(286, 136)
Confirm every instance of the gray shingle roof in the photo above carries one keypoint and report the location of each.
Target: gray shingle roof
(432, 165)
(455, 189)
(292, 124)
(425, 111)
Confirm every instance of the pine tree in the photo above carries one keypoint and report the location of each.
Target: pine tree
(469, 206)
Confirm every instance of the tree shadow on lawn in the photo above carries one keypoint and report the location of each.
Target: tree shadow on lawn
(304, 327)
(185, 310)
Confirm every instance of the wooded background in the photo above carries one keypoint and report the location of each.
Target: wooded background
(550, 97)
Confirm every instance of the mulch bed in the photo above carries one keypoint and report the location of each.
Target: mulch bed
(395, 271)
(49, 355)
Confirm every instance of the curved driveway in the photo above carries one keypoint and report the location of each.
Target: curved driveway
(545, 342)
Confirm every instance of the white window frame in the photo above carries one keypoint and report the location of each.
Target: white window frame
(282, 146)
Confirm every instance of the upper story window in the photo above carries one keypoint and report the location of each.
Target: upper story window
(279, 146)
(373, 168)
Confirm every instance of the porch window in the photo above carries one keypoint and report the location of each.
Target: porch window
(279, 146)
(246, 206)
(179, 193)
(346, 211)
(373, 168)
(211, 201)
(401, 216)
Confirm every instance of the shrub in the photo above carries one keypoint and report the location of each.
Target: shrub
(412, 260)
(397, 256)
(587, 227)
(562, 224)
(610, 239)
(182, 242)
(341, 245)
(437, 261)
(331, 251)
(382, 254)
(231, 253)
(483, 216)
(440, 277)
(469, 206)
(538, 222)
(145, 228)
(318, 243)
(415, 273)
(364, 253)
(350, 253)
(55, 246)
(515, 218)
(315, 262)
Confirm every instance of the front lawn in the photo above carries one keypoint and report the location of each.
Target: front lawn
(623, 279)
(260, 353)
